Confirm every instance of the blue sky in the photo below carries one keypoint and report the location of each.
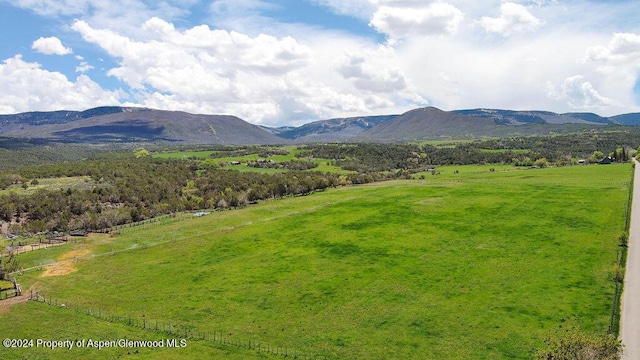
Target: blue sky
(287, 62)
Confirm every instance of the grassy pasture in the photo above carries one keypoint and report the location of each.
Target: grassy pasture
(74, 182)
(6, 284)
(184, 154)
(323, 165)
(500, 151)
(445, 143)
(57, 323)
(293, 150)
(473, 265)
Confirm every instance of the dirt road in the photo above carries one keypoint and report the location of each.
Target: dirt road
(6, 304)
(630, 316)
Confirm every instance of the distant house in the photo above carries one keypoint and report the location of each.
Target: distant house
(605, 161)
(235, 163)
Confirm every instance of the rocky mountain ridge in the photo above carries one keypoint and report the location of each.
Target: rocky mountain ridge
(114, 124)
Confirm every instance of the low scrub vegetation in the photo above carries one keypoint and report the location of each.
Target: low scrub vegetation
(572, 344)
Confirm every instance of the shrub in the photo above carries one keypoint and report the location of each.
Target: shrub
(571, 344)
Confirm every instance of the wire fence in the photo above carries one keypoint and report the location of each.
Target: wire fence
(41, 242)
(182, 332)
(161, 219)
(8, 293)
(12, 291)
(621, 261)
(614, 320)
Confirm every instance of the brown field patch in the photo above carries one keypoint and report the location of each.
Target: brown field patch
(59, 270)
(74, 254)
(66, 264)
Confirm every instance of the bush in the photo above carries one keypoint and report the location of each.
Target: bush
(571, 344)
(7, 266)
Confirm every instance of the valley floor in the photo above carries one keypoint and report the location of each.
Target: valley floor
(468, 264)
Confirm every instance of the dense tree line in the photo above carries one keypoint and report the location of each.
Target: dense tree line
(222, 189)
(128, 189)
(366, 157)
(288, 165)
(390, 157)
(519, 151)
(18, 153)
(559, 147)
(125, 188)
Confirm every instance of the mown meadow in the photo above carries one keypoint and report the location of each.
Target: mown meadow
(478, 262)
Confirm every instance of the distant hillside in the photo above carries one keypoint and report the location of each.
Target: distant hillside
(117, 125)
(511, 117)
(342, 129)
(627, 119)
(113, 125)
(276, 130)
(590, 117)
(59, 117)
(431, 123)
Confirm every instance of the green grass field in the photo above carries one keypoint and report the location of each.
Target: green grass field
(293, 150)
(184, 154)
(323, 165)
(61, 323)
(6, 284)
(467, 265)
(74, 182)
(500, 151)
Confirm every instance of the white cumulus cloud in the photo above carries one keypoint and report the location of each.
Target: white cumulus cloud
(513, 18)
(432, 19)
(258, 60)
(203, 55)
(623, 48)
(259, 78)
(579, 94)
(50, 46)
(25, 86)
(369, 76)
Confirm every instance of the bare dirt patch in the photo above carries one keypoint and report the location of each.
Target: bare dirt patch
(59, 270)
(74, 254)
(66, 264)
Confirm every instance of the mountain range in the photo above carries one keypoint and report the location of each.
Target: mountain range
(109, 125)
